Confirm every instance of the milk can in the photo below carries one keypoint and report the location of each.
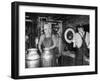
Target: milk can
(32, 58)
(47, 58)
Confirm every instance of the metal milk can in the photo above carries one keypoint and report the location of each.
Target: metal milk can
(32, 58)
(47, 58)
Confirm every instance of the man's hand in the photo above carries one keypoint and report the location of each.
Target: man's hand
(86, 59)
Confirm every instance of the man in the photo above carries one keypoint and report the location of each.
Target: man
(81, 42)
(48, 41)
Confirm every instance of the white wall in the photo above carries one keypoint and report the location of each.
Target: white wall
(5, 40)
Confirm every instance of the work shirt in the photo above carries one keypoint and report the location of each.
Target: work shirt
(78, 40)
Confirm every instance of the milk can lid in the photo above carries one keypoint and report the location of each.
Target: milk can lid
(32, 49)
